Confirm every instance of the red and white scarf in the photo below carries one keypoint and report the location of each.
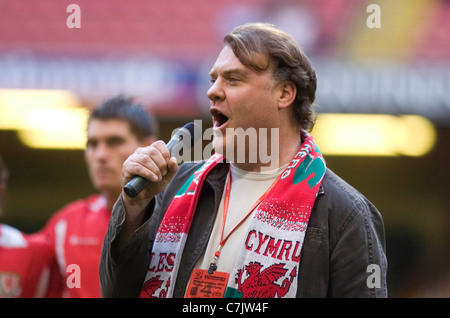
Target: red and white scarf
(267, 264)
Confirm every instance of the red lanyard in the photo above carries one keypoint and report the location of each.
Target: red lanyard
(213, 265)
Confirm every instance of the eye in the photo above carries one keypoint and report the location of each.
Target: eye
(234, 80)
(91, 143)
(115, 141)
(212, 78)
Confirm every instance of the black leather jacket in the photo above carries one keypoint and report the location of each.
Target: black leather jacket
(343, 254)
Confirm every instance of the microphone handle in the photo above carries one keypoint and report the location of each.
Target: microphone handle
(135, 186)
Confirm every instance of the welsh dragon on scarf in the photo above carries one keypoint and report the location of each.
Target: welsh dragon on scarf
(267, 264)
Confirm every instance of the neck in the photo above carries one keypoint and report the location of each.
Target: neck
(110, 198)
(281, 153)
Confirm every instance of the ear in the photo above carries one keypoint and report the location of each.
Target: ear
(288, 92)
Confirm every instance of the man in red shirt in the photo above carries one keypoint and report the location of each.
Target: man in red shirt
(27, 267)
(115, 129)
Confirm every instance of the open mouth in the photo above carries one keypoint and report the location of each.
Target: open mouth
(219, 119)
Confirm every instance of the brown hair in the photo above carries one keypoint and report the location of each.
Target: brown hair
(122, 107)
(287, 59)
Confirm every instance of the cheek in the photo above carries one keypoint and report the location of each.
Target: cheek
(254, 109)
(88, 157)
(123, 154)
(129, 150)
(119, 160)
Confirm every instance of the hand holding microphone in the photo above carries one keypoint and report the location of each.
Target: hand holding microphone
(148, 171)
(154, 164)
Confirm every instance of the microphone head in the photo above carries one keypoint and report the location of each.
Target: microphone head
(190, 129)
(190, 132)
(184, 138)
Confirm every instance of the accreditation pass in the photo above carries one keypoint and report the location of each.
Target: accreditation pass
(205, 285)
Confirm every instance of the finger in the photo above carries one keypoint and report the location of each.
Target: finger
(162, 147)
(134, 166)
(147, 165)
(156, 154)
(172, 166)
(155, 161)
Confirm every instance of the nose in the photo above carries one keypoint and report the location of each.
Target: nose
(215, 93)
(101, 151)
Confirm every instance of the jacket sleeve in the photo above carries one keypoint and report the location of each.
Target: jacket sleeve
(358, 259)
(122, 275)
(344, 249)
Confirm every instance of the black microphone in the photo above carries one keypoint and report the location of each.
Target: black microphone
(180, 139)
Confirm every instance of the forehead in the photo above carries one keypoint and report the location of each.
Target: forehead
(102, 128)
(227, 61)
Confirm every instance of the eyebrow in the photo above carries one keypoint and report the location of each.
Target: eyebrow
(232, 71)
(111, 138)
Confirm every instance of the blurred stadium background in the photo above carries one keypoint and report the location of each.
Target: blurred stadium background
(388, 88)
